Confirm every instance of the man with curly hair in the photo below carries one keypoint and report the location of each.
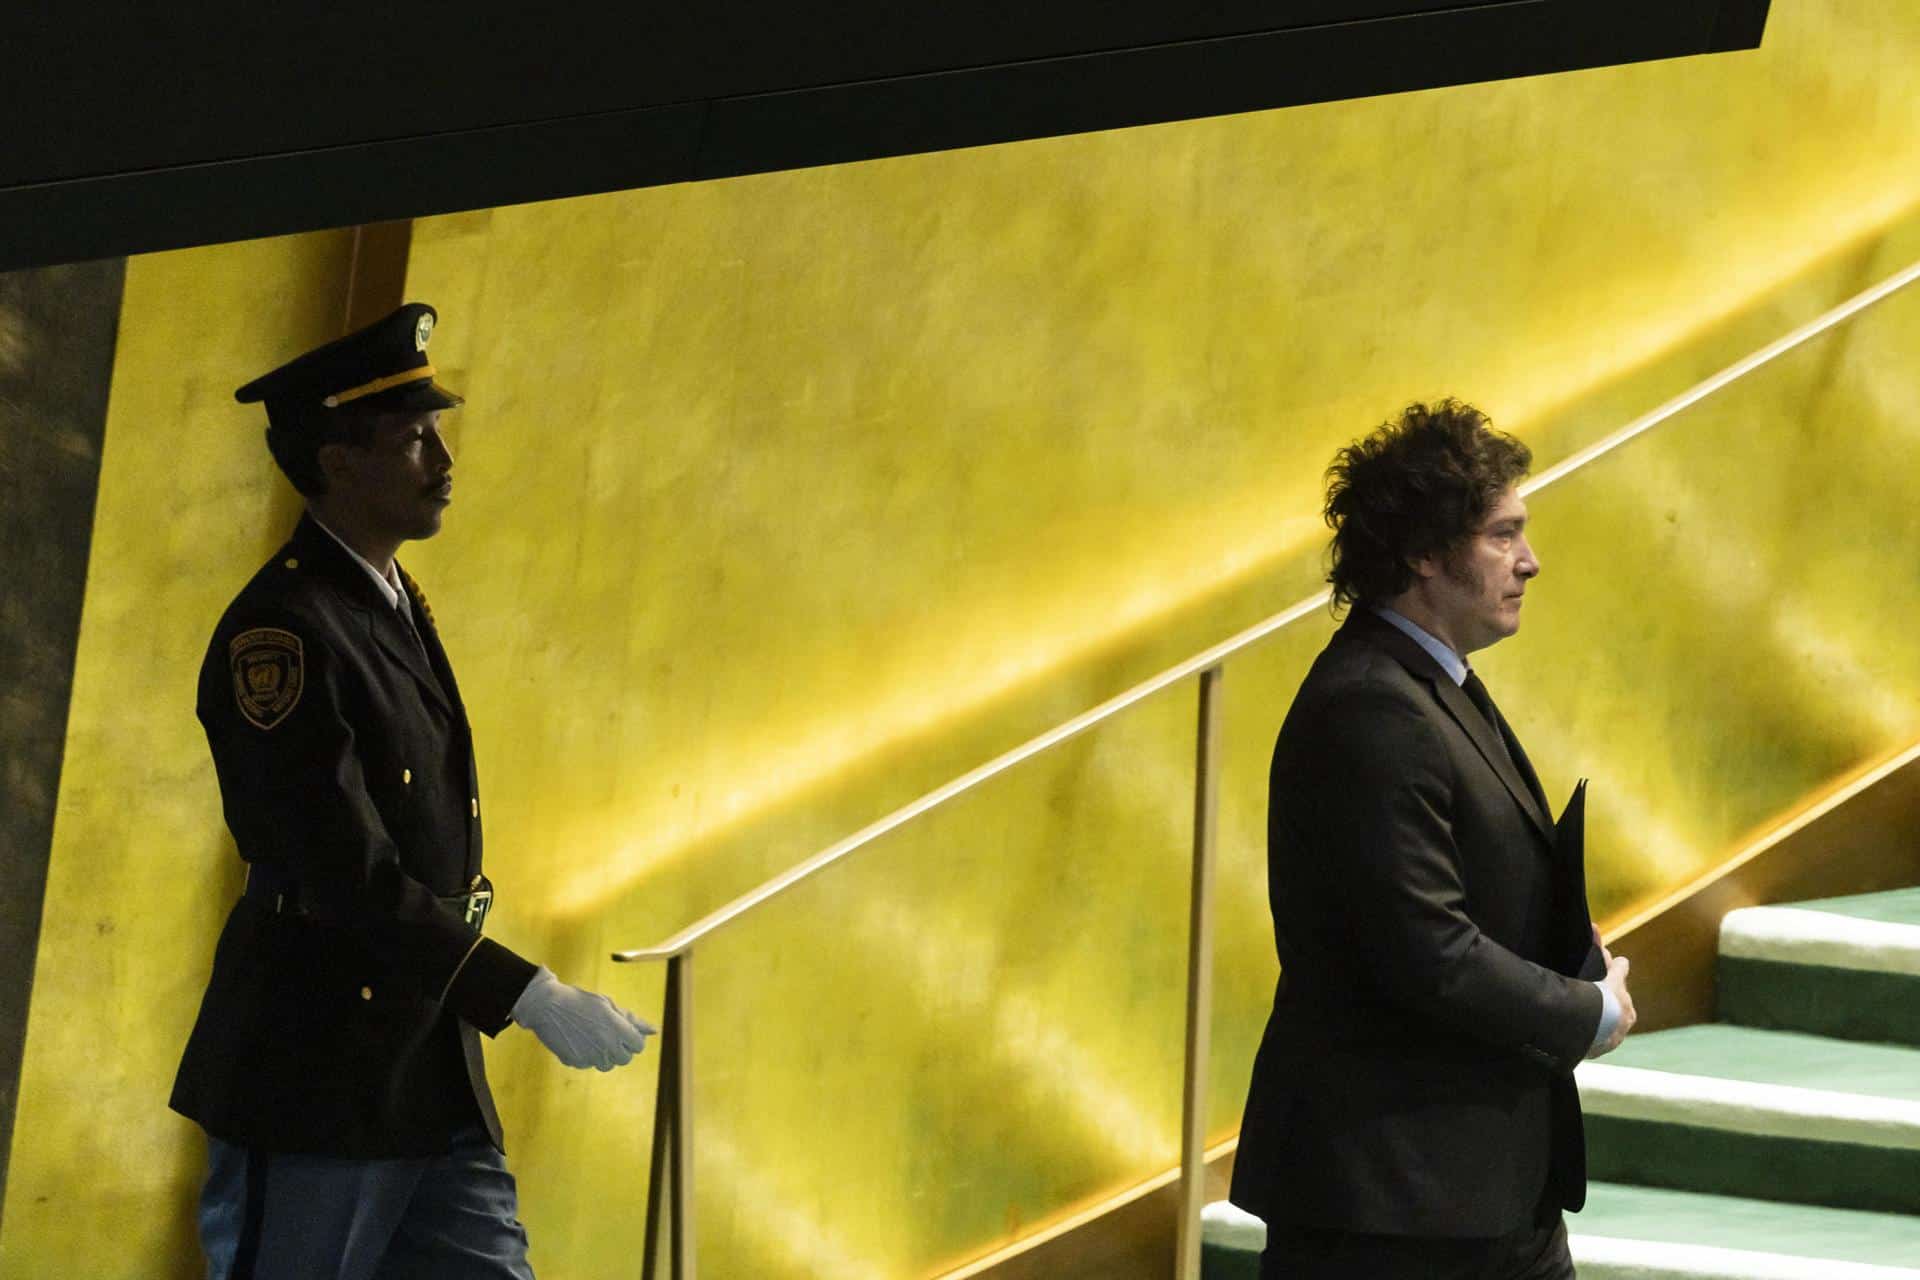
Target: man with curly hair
(1412, 1111)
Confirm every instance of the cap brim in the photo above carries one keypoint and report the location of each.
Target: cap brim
(425, 394)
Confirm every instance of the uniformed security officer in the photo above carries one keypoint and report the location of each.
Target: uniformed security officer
(336, 1062)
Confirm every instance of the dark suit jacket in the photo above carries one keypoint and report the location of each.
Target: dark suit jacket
(344, 1024)
(1415, 1075)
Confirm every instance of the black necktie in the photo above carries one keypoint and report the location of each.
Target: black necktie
(406, 620)
(1476, 691)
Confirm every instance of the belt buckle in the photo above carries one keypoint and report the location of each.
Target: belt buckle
(479, 902)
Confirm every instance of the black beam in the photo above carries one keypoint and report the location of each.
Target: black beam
(276, 121)
(1741, 24)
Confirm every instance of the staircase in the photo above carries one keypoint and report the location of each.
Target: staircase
(1779, 1143)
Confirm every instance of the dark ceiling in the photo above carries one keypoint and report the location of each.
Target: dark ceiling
(133, 128)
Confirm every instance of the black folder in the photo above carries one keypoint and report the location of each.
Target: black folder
(1573, 951)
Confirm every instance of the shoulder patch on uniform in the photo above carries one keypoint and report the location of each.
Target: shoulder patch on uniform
(268, 672)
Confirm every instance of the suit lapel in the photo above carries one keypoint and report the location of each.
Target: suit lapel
(317, 547)
(430, 637)
(1485, 738)
(390, 629)
(1519, 756)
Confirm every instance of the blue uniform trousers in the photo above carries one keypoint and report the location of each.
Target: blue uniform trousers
(272, 1216)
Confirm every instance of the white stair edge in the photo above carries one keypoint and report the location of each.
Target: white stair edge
(1740, 1106)
(1614, 1258)
(1227, 1225)
(1792, 935)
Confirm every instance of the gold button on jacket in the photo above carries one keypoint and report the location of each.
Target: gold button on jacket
(346, 773)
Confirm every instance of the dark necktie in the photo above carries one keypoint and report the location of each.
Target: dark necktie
(405, 615)
(432, 673)
(1476, 692)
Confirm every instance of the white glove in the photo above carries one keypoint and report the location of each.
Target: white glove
(580, 1028)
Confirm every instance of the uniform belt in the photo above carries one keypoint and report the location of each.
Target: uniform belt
(280, 895)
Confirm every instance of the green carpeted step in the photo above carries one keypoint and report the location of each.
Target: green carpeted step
(1896, 906)
(1847, 967)
(1761, 1057)
(1231, 1241)
(1646, 1233)
(1772, 1115)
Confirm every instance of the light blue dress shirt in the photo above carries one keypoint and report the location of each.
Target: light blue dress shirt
(1456, 668)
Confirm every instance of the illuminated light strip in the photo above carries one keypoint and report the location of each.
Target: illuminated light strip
(966, 971)
(904, 720)
(1732, 373)
(1813, 810)
(1611, 1258)
(1848, 223)
(783, 1231)
(1046, 1067)
(1848, 679)
(1742, 1106)
(790, 1232)
(1794, 935)
(378, 385)
(1219, 653)
(1081, 1217)
(679, 942)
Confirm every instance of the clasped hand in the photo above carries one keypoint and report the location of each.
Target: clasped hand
(581, 1028)
(1616, 982)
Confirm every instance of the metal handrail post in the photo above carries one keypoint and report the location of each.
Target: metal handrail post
(671, 1179)
(1193, 1107)
(666, 1109)
(679, 988)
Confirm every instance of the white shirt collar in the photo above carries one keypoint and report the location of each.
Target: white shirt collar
(389, 585)
(1450, 662)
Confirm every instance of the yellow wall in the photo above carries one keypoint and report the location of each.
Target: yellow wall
(786, 498)
(142, 870)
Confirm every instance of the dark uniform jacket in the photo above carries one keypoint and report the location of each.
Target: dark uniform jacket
(1415, 1075)
(343, 1012)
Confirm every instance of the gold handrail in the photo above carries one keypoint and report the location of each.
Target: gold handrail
(723, 916)
(1053, 737)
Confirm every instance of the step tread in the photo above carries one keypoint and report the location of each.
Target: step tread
(1618, 1211)
(1659, 1216)
(1761, 1056)
(1870, 933)
(1803, 925)
(1896, 906)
